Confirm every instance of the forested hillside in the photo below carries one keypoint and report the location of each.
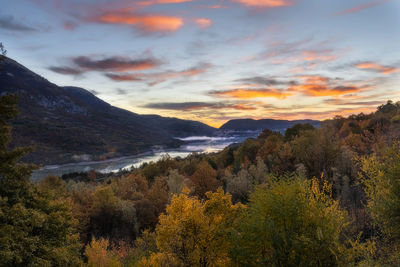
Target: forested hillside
(312, 197)
(70, 124)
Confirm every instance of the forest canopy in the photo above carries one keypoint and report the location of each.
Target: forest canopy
(325, 196)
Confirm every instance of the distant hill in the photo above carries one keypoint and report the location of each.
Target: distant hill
(253, 125)
(67, 124)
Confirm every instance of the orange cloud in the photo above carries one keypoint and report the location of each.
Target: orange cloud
(360, 7)
(242, 107)
(252, 93)
(314, 79)
(377, 67)
(203, 23)
(154, 2)
(69, 26)
(321, 115)
(265, 3)
(146, 23)
(314, 55)
(212, 6)
(325, 90)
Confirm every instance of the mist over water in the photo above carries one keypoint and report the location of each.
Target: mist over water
(198, 144)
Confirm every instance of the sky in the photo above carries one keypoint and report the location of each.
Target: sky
(215, 60)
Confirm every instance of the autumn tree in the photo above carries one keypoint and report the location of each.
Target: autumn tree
(191, 232)
(99, 254)
(175, 182)
(204, 179)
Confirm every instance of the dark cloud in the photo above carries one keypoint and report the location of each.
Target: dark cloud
(9, 23)
(185, 106)
(180, 106)
(115, 63)
(83, 64)
(125, 77)
(265, 81)
(66, 70)
(121, 91)
(159, 77)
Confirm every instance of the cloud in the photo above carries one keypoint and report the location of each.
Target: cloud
(125, 77)
(83, 64)
(121, 91)
(158, 77)
(66, 70)
(147, 23)
(179, 106)
(160, 2)
(265, 3)
(318, 55)
(306, 85)
(318, 90)
(115, 63)
(250, 93)
(9, 23)
(260, 80)
(318, 86)
(322, 115)
(217, 6)
(361, 7)
(70, 26)
(187, 106)
(314, 79)
(346, 102)
(203, 23)
(377, 67)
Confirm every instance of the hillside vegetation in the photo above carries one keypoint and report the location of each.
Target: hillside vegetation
(70, 124)
(325, 196)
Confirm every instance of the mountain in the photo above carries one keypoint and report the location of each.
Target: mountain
(68, 124)
(253, 125)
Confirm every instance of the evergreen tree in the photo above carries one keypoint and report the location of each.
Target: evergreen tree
(36, 229)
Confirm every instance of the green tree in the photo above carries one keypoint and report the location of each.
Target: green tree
(291, 223)
(380, 177)
(296, 130)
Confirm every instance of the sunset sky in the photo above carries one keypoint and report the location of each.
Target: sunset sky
(214, 61)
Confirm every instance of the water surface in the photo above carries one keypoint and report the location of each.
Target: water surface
(200, 144)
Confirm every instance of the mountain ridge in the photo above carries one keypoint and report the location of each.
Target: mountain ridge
(67, 124)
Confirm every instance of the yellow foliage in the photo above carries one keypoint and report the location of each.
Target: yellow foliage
(99, 256)
(190, 233)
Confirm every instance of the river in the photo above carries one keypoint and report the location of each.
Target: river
(200, 144)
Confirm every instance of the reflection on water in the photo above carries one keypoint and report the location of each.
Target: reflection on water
(206, 144)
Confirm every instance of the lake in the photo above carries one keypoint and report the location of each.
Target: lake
(199, 144)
